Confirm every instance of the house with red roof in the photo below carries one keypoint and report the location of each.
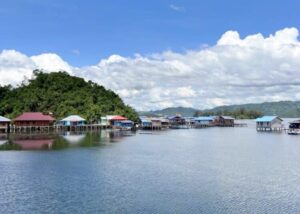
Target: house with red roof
(35, 119)
(116, 121)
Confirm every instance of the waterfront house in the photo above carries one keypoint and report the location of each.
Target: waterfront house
(104, 121)
(145, 123)
(73, 120)
(125, 124)
(294, 127)
(156, 123)
(4, 124)
(33, 119)
(177, 122)
(111, 120)
(204, 121)
(269, 123)
(165, 123)
(190, 121)
(224, 121)
(116, 120)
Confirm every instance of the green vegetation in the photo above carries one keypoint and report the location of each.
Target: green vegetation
(185, 112)
(286, 109)
(238, 114)
(91, 140)
(59, 143)
(10, 146)
(62, 95)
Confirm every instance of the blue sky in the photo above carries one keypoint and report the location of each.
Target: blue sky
(158, 54)
(83, 32)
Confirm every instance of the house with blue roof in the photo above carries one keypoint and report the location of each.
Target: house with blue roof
(126, 125)
(145, 123)
(269, 123)
(153, 123)
(204, 121)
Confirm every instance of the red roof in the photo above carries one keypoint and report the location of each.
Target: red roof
(119, 118)
(34, 116)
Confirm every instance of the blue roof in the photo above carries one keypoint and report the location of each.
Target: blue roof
(145, 120)
(267, 118)
(204, 118)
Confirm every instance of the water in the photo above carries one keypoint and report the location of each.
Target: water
(214, 170)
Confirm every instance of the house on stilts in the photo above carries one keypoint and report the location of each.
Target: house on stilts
(269, 123)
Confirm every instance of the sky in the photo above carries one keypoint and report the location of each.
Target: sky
(159, 53)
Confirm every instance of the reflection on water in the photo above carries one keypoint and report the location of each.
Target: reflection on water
(57, 141)
(213, 170)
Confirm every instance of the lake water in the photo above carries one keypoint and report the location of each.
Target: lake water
(214, 170)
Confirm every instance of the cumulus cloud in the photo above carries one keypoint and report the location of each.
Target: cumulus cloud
(14, 66)
(50, 62)
(233, 71)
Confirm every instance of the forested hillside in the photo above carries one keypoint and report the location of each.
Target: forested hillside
(249, 111)
(63, 95)
(282, 108)
(186, 112)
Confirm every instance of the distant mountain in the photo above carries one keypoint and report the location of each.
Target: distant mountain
(283, 109)
(186, 112)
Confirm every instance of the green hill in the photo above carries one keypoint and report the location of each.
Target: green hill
(282, 108)
(62, 95)
(186, 112)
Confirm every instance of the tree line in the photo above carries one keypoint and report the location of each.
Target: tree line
(240, 113)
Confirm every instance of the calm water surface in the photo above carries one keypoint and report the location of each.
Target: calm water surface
(215, 170)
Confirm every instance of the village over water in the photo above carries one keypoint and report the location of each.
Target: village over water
(40, 122)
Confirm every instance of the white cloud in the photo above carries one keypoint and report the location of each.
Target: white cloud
(14, 66)
(177, 8)
(50, 62)
(236, 70)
